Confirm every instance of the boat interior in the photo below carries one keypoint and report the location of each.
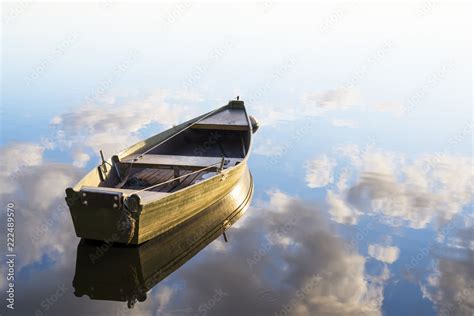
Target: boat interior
(217, 142)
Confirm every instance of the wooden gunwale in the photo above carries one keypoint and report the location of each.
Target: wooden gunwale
(158, 216)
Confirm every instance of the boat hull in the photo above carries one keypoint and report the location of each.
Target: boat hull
(157, 217)
(105, 206)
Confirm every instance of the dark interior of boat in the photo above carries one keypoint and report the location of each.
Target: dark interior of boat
(189, 157)
(207, 143)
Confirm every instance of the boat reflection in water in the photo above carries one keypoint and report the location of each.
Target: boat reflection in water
(117, 272)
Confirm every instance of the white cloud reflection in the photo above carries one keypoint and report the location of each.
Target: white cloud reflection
(331, 279)
(337, 99)
(344, 99)
(450, 285)
(344, 123)
(402, 190)
(114, 125)
(16, 158)
(37, 188)
(340, 211)
(319, 171)
(386, 254)
(268, 148)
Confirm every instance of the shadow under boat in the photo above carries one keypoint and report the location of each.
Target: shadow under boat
(117, 272)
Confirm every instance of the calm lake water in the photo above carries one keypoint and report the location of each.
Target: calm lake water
(362, 166)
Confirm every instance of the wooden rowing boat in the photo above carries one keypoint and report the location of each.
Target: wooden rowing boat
(165, 180)
(115, 272)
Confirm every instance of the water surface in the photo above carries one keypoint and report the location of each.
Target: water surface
(362, 165)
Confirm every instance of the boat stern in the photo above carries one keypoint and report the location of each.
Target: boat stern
(104, 215)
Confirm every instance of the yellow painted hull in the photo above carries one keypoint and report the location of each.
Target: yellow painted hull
(151, 218)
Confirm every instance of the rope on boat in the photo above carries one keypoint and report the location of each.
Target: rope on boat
(132, 227)
(183, 176)
(162, 142)
(126, 223)
(171, 136)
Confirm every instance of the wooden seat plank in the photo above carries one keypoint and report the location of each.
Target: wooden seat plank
(182, 162)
